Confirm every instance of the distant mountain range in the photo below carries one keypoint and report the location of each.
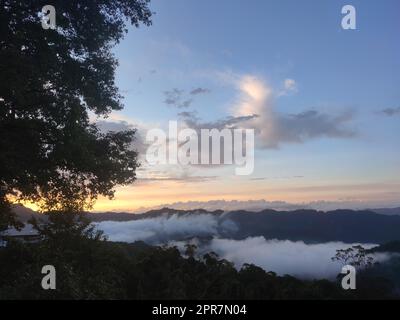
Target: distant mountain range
(373, 226)
(387, 211)
(313, 226)
(262, 204)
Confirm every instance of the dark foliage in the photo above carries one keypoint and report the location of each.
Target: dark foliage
(49, 81)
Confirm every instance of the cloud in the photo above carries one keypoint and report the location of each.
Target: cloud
(209, 233)
(188, 115)
(390, 112)
(310, 124)
(178, 99)
(165, 228)
(258, 205)
(306, 261)
(174, 98)
(255, 108)
(274, 128)
(186, 103)
(194, 122)
(176, 173)
(289, 87)
(199, 91)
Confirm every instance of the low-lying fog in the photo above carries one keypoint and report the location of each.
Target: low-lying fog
(206, 231)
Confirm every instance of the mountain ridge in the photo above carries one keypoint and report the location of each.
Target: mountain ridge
(306, 225)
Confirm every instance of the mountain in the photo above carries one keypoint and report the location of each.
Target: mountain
(23, 213)
(310, 226)
(387, 211)
(316, 226)
(300, 225)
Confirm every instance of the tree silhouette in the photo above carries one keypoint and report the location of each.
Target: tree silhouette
(50, 152)
(190, 250)
(356, 256)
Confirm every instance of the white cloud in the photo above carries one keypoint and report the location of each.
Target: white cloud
(164, 228)
(290, 84)
(274, 128)
(289, 87)
(209, 233)
(307, 261)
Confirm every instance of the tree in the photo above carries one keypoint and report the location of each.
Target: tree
(190, 250)
(58, 226)
(50, 80)
(356, 256)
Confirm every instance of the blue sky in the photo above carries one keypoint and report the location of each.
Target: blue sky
(336, 73)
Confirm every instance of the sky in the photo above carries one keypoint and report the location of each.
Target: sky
(324, 102)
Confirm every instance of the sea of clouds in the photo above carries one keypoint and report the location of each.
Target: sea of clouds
(306, 261)
(296, 258)
(164, 228)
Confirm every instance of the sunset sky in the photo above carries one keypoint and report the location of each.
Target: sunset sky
(327, 100)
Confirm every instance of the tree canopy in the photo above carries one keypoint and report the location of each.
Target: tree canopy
(51, 81)
(91, 269)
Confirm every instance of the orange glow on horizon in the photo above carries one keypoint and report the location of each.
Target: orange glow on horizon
(151, 194)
